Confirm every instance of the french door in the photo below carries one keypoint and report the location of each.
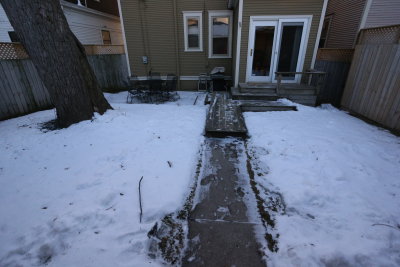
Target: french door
(276, 45)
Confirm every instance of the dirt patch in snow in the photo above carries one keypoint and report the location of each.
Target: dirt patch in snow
(269, 202)
(168, 238)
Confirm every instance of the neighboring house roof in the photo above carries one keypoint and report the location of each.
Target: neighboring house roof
(88, 10)
(105, 6)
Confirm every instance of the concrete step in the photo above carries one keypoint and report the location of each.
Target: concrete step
(308, 100)
(261, 106)
(259, 91)
(237, 95)
(288, 91)
(268, 88)
(302, 96)
(257, 86)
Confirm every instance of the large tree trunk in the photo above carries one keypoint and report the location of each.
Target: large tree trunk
(59, 58)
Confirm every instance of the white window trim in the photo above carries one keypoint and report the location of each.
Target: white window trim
(188, 14)
(219, 13)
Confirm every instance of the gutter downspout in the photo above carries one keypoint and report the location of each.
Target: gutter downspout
(124, 38)
(363, 21)
(238, 42)
(178, 67)
(321, 23)
(365, 14)
(145, 40)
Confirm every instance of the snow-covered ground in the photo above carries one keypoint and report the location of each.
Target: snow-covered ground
(70, 197)
(340, 180)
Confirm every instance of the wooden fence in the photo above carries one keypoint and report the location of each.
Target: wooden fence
(17, 51)
(336, 64)
(22, 91)
(373, 85)
(111, 71)
(104, 49)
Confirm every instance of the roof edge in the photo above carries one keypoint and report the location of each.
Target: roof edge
(88, 10)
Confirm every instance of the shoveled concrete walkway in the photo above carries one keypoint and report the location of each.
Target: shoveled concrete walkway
(220, 231)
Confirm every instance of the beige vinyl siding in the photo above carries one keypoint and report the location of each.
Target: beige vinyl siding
(274, 8)
(130, 19)
(156, 38)
(383, 13)
(160, 41)
(149, 30)
(345, 17)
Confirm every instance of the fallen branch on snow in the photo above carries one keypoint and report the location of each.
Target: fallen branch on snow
(140, 200)
(388, 225)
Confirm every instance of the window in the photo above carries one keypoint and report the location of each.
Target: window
(106, 37)
(220, 34)
(193, 25)
(13, 37)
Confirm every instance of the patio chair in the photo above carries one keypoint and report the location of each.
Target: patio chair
(202, 84)
(155, 81)
(170, 83)
(135, 90)
(169, 92)
(155, 86)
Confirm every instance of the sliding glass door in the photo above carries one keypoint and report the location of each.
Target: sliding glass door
(276, 45)
(261, 55)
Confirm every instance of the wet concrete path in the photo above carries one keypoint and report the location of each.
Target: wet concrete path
(220, 231)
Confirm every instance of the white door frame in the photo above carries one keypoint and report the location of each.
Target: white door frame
(250, 55)
(306, 19)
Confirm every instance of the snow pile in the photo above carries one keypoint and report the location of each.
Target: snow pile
(70, 197)
(340, 180)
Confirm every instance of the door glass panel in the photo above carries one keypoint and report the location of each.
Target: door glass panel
(263, 43)
(290, 48)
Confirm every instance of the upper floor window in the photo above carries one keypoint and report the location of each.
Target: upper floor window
(193, 25)
(220, 34)
(106, 37)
